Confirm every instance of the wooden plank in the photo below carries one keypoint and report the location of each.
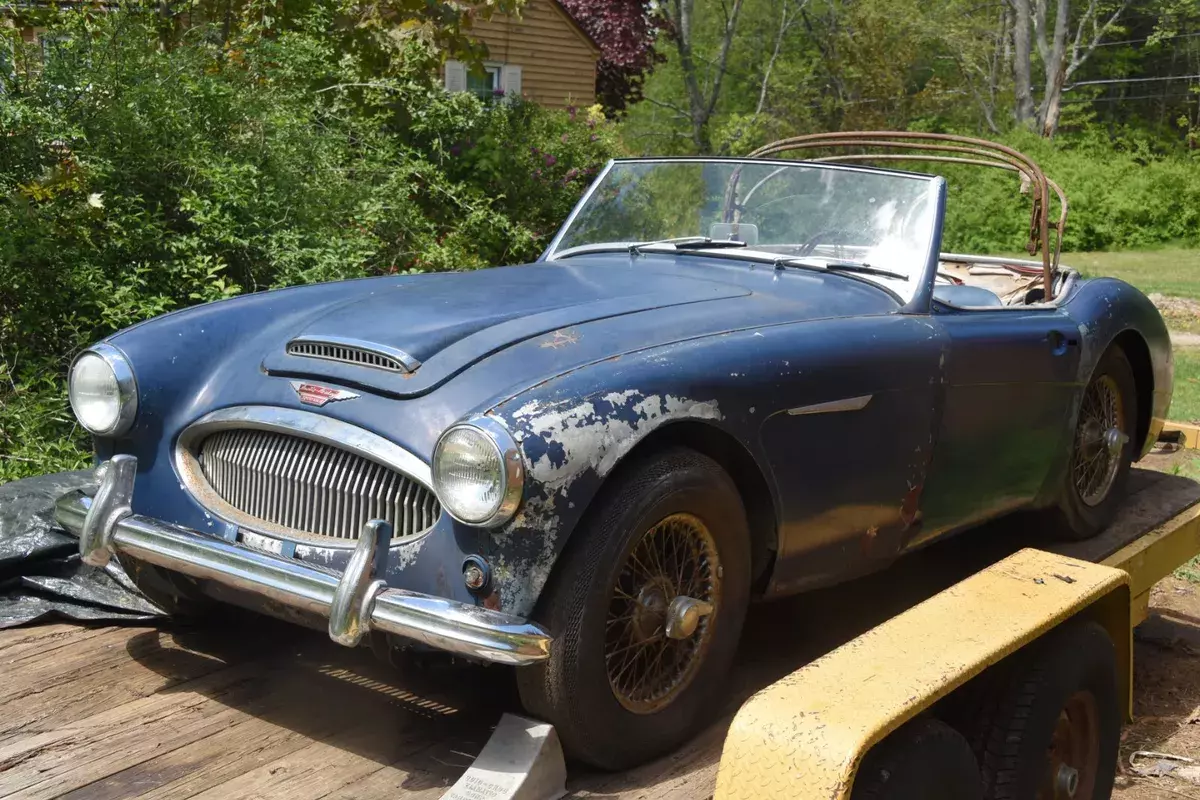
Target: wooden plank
(686, 774)
(322, 767)
(47, 764)
(1153, 498)
(18, 643)
(195, 767)
(150, 661)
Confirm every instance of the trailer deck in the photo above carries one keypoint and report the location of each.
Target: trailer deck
(248, 707)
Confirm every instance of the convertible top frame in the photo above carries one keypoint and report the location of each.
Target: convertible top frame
(941, 148)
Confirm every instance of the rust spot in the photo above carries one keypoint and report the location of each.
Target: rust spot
(561, 338)
(911, 504)
(492, 601)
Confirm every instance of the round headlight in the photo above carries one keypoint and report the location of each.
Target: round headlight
(477, 472)
(102, 391)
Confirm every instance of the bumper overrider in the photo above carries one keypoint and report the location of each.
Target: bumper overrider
(355, 602)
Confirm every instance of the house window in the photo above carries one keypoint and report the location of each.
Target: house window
(485, 81)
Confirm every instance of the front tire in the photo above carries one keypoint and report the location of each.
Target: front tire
(175, 594)
(1101, 452)
(646, 608)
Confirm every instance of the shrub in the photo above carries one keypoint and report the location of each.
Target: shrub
(136, 178)
(1123, 195)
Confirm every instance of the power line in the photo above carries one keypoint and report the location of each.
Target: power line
(1123, 99)
(1139, 41)
(1131, 80)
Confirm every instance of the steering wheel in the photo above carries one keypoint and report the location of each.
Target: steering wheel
(826, 236)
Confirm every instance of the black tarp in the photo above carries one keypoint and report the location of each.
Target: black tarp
(41, 574)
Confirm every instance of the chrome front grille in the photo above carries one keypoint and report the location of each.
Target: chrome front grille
(346, 353)
(287, 484)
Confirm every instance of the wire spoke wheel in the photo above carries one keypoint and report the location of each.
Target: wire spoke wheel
(1099, 441)
(658, 627)
(1074, 756)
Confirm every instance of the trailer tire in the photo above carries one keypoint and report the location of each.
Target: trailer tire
(1057, 708)
(924, 760)
(602, 603)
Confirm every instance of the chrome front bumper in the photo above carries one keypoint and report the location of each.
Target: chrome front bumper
(355, 602)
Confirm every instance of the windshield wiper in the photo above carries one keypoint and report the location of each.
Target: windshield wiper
(682, 243)
(834, 265)
(689, 243)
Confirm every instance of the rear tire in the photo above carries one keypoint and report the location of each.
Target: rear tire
(1094, 481)
(924, 760)
(619, 690)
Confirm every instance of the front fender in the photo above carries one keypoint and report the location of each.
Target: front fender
(571, 444)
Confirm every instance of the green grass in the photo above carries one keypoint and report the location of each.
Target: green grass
(1185, 404)
(1172, 272)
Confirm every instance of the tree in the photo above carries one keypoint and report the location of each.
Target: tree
(703, 82)
(1062, 53)
(625, 31)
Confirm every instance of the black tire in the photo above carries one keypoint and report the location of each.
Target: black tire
(1075, 518)
(572, 689)
(924, 760)
(177, 595)
(1019, 734)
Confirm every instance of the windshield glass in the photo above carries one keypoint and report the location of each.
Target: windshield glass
(803, 210)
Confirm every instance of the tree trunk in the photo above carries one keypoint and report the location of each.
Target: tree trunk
(700, 105)
(1022, 62)
(696, 103)
(1056, 72)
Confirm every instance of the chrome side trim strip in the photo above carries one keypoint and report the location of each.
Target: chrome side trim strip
(355, 603)
(833, 406)
(409, 363)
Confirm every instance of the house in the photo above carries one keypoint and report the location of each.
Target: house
(542, 54)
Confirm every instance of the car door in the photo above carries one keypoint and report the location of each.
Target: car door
(848, 441)
(1010, 376)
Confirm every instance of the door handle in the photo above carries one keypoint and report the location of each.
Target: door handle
(1059, 342)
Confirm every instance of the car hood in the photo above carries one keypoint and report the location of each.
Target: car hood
(444, 323)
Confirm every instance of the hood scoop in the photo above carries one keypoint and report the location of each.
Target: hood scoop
(353, 351)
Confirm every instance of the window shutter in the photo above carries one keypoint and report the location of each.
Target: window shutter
(456, 76)
(511, 76)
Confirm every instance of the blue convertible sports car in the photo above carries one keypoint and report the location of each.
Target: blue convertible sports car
(725, 379)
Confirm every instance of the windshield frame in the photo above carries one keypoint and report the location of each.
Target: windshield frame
(923, 290)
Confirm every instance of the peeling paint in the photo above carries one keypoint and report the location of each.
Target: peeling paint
(563, 442)
(597, 433)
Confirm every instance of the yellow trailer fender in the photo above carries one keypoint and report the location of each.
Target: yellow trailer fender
(805, 736)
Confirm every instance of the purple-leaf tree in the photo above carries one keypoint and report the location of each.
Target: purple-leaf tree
(624, 30)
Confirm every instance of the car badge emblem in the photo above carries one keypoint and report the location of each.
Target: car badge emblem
(312, 394)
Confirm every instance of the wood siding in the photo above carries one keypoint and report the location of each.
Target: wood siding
(557, 61)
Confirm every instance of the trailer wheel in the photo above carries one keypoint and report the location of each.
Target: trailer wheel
(1053, 729)
(646, 607)
(924, 760)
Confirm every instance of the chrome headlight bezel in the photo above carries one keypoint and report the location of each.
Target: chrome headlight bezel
(512, 475)
(127, 392)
